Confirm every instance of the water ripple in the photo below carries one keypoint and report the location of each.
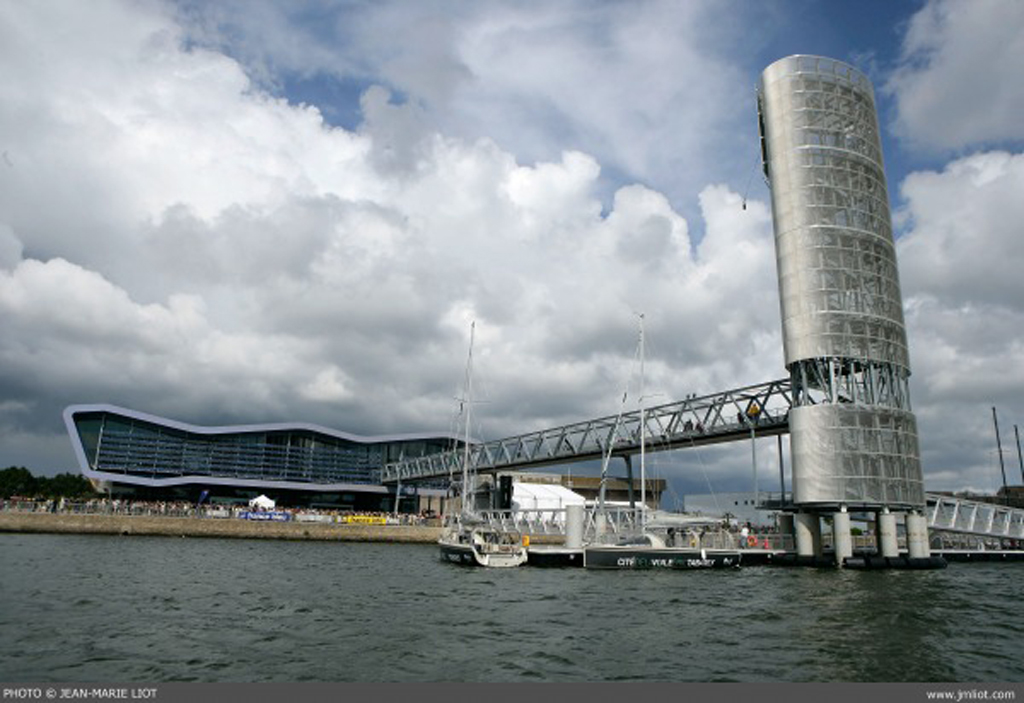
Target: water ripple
(227, 610)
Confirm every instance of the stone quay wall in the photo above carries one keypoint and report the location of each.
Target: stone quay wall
(212, 527)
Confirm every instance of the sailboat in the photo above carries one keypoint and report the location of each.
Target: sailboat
(667, 542)
(467, 538)
(475, 543)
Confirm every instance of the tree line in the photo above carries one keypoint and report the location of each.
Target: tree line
(19, 481)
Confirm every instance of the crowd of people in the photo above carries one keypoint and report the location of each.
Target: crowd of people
(163, 508)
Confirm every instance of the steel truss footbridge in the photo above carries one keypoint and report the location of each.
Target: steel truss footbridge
(760, 410)
(710, 419)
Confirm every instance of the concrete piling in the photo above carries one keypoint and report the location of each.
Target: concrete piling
(917, 536)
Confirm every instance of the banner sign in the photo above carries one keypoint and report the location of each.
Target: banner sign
(274, 516)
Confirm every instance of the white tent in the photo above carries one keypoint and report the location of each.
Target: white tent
(544, 496)
(261, 502)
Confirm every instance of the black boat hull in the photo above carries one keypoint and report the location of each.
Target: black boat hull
(626, 557)
(554, 557)
(458, 554)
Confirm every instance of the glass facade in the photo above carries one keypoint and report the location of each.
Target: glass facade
(121, 443)
(854, 437)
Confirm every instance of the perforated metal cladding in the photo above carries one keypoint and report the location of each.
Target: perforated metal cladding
(838, 282)
(855, 455)
(853, 437)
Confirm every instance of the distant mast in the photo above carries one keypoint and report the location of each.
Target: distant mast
(1020, 457)
(999, 451)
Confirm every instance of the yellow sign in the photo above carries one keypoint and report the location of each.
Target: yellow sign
(365, 519)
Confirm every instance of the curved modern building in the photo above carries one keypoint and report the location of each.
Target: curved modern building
(144, 455)
(853, 434)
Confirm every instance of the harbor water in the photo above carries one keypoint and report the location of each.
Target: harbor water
(84, 608)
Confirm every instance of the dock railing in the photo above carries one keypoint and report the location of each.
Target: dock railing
(622, 521)
(965, 516)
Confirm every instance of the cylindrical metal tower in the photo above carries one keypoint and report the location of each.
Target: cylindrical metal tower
(854, 437)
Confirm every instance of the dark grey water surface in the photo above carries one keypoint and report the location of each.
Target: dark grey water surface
(148, 609)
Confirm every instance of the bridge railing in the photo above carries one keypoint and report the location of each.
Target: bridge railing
(952, 514)
(698, 420)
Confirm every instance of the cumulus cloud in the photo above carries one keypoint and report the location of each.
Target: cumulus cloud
(70, 331)
(958, 83)
(184, 243)
(960, 259)
(964, 246)
(957, 87)
(176, 237)
(650, 88)
(10, 247)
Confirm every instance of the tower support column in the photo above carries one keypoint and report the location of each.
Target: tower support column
(808, 534)
(841, 537)
(888, 546)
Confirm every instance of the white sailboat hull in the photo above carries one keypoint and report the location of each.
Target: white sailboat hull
(476, 547)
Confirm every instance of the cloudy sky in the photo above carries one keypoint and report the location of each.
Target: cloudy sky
(234, 212)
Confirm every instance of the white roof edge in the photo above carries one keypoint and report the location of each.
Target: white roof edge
(71, 410)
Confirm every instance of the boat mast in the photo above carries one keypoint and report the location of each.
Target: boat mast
(643, 433)
(600, 516)
(468, 404)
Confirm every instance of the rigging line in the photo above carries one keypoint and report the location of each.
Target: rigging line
(480, 390)
(453, 443)
(615, 430)
(454, 422)
(660, 468)
(677, 501)
(707, 478)
(750, 176)
(650, 352)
